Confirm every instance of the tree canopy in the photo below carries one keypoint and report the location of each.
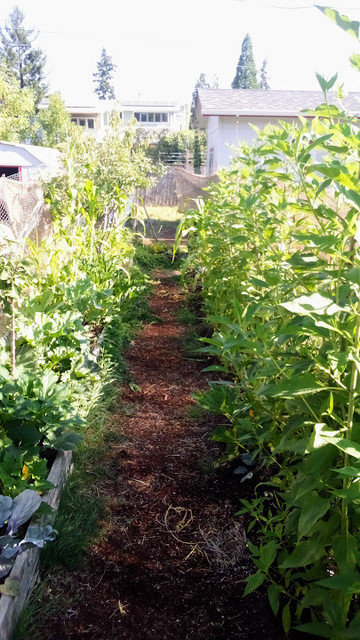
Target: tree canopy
(53, 123)
(201, 83)
(246, 73)
(17, 109)
(19, 56)
(103, 77)
(264, 80)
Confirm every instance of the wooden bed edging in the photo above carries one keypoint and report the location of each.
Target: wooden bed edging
(26, 567)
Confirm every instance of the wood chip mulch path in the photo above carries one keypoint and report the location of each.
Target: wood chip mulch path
(172, 561)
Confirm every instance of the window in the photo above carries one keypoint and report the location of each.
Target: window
(145, 116)
(88, 123)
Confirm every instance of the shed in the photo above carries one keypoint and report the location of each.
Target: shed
(228, 115)
(25, 162)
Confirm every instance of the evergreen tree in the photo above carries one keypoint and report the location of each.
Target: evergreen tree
(197, 154)
(264, 80)
(103, 77)
(19, 57)
(201, 83)
(245, 77)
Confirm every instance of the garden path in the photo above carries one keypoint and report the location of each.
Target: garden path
(172, 559)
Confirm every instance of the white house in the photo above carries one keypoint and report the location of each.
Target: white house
(156, 115)
(151, 116)
(227, 115)
(25, 162)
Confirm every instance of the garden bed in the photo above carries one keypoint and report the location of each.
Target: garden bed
(26, 568)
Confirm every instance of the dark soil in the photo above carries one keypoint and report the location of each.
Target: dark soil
(172, 560)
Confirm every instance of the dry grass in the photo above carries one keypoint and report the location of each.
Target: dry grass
(164, 214)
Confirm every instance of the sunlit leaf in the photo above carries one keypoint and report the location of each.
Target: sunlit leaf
(345, 23)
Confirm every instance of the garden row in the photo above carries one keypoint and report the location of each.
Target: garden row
(276, 250)
(57, 298)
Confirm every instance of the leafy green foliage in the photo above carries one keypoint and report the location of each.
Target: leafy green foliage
(56, 301)
(54, 123)
(276, 251)
(17, 109)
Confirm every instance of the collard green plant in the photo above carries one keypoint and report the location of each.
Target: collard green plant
(14, 513)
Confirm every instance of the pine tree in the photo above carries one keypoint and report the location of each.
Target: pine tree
(201, 83)
(264, 80)
(19, 57)
(197, 154)
(103, 77)
(245, 77)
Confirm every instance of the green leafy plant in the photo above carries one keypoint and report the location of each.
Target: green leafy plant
(276, 251)
(14, 513)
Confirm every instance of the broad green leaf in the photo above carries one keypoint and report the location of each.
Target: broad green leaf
(298, 385)
(67, 441)
(253, 550)
(345, 550)
(23, 507)
(312, 510)
(215, 367)
(314, 304)
(345, 23)
(319, 629)
(326, 85)
(353, 630)
(253, 582)
(351, 195)
(351, 448)
(327, 136)
(355, 61)
(273, 593)
(286, 618)
(346, 583)
(350, 472)
(353, 275)
(267, 555)
(324, 185)
(306, 552)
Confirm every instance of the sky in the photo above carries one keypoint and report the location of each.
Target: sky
(160, 47)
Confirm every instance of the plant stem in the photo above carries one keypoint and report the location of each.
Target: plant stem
(350, 419)
(13, 353)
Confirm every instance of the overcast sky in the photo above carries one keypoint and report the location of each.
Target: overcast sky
(162, 46)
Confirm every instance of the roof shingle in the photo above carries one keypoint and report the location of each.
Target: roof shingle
(257, 102)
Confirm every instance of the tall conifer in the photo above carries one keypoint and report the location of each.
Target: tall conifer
(245, 77)
(19, 57)
(103, 77)
(264, 80)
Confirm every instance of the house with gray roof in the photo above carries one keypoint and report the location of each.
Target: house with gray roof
(228, 115)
